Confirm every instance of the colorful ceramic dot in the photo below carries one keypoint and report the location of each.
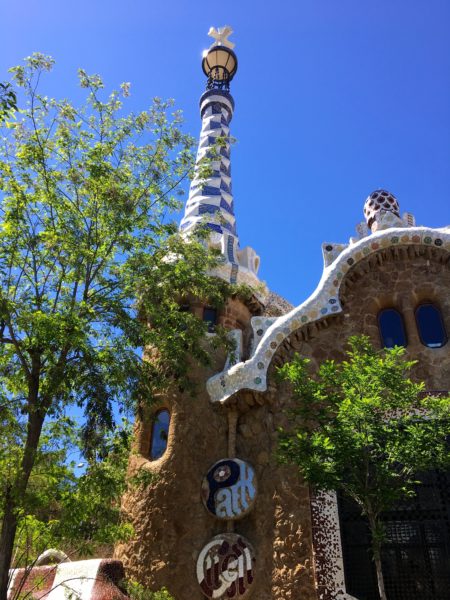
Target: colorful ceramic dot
(273, 345)
(257, 380)
(304, 319)
(427, 240)
(438, 242)
(260, 365)
(324, 311)
(260, 331)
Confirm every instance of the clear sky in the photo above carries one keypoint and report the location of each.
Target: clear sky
(334, 98)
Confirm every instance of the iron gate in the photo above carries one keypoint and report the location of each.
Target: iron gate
(416, 555)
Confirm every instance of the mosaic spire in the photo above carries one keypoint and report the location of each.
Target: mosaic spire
(210, 201)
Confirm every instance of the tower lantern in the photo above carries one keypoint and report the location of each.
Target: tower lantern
(219, 61)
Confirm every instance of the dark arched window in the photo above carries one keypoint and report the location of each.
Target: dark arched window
(160, 434)
(430, 325)
(392, 330)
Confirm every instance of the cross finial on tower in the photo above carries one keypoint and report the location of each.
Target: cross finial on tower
(221, 35)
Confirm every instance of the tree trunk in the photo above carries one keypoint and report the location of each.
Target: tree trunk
(15, 495)
(374, 526)
(7, 536)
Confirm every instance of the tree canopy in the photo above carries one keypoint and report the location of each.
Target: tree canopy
(365, 427)
(88, 258)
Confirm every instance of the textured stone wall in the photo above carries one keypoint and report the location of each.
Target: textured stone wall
(390, 279)
(171, 523)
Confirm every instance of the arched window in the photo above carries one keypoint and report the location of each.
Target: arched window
(160, 434)
(392, 330)
(430, 325)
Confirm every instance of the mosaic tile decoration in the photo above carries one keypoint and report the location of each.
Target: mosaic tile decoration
(380, 201)
(226, 567)
(331, 251)
(236, 336)
(212, 196)
(328, 560)
(210, 200)
(323, 302)
(93, 579)
(229, 489)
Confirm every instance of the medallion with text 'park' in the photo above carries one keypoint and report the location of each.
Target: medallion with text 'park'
(225, 567)
(229, 489)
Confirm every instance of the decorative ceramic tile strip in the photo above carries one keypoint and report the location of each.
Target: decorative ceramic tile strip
(236, 336)
(323, 302)
(327, 544)
(331, 251)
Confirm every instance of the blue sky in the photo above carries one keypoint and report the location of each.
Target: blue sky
(334, 98)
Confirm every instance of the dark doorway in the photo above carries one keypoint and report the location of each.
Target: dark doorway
(416, 555)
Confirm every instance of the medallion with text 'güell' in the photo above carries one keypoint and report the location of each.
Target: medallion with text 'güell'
(225, 567)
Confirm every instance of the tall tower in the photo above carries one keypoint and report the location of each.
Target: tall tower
(210, 201)
(185, 442)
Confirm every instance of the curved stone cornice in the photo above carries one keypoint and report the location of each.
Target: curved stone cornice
(270, 333)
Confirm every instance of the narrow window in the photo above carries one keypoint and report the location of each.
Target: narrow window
(210, 317)
(392, 330)
(430, 325)
(160, 434)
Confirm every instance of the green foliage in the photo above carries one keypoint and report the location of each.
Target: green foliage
(136, 591)
(79, 514)
(88, 260)
(364, 427)
(8, 101)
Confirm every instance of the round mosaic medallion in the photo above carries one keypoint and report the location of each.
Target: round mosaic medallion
(229, 489)
(225, 567)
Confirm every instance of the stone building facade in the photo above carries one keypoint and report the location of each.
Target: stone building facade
(266, 535)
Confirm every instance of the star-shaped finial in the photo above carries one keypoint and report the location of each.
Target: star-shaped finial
(220, 35)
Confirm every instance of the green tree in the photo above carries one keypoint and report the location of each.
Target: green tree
(8, 100)
(363, 427)
(87, 260)
(79, 514)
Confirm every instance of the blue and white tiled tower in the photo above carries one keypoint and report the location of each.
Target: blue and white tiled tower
(210, 201)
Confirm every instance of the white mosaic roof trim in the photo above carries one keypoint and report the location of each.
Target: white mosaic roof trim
(270, 334)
